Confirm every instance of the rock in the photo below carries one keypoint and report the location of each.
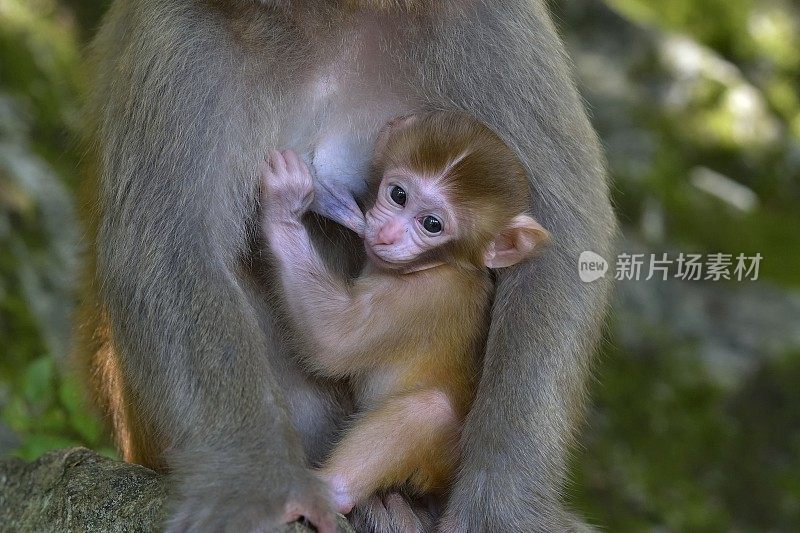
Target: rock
(76, 489)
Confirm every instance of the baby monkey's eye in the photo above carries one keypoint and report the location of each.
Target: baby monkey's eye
(432, 224)
(398, 195)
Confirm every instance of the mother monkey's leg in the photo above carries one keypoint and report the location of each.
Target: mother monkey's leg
(182, 119)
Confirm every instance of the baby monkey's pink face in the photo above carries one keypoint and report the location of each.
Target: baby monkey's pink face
(411, 216)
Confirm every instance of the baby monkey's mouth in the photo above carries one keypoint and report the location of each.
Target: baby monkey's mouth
(398, 266)
(378, 259)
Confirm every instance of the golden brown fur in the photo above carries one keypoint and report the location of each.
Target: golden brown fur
(407, 335)
(429, 331)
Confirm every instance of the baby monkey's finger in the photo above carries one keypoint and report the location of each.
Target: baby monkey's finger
(292, 161)
(276, 161)
(306, 171)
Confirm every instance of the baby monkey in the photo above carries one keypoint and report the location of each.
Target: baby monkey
(408, 333)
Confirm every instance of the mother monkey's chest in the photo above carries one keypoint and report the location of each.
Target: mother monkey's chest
(345, 85)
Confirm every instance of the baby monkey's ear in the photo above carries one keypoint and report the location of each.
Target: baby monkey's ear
(516, 243)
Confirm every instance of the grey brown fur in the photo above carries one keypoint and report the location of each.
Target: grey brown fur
(195, 364)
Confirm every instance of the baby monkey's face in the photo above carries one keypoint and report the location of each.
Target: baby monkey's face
(411, 217)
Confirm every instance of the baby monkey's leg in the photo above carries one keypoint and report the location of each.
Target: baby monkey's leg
(410, 438)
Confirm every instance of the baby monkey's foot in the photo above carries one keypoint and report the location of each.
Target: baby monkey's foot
(340, 490)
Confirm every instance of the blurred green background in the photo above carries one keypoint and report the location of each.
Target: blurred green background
(695, 416)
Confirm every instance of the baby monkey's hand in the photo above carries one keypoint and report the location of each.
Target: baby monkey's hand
(287, 189)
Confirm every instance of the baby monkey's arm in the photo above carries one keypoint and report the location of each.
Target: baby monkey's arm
(335, 317)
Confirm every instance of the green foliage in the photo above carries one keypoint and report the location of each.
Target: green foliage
(49, 412)
(700, 89)
(669, 447)
(712, 86)
(40, 76)
(39, 62)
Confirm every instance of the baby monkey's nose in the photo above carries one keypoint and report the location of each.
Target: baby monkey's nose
(389, 233)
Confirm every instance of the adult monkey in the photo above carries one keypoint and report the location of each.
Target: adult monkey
(190, 358)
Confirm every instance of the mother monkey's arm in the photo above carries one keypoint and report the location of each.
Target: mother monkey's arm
(545, 321)
(188, 378)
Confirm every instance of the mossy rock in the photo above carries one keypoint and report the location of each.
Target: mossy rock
(76, 489)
